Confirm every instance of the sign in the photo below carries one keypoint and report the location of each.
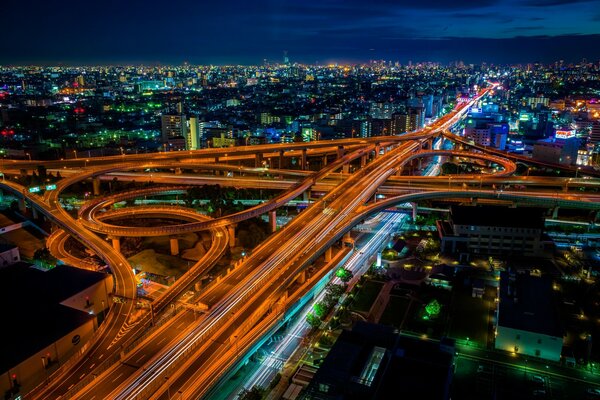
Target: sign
(564, 134)
(51, 187)
(34, 189)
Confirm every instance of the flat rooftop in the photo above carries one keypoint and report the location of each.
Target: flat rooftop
(498, 216)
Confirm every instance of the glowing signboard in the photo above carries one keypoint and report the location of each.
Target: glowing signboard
(564, 134)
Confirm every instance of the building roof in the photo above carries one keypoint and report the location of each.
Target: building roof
(33, 315)
(527, 303)
(498, 216)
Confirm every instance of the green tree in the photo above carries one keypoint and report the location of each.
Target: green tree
(344, 274)
(313, 320)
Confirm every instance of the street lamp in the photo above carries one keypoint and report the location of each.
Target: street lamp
(577, 172)
(75, 153)
(28, 155)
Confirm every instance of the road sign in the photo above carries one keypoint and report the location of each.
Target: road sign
(34, 189)
(51, 187)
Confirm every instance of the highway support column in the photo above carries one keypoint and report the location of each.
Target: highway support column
(96, 186)
(555, 212)
(231, 233)
(346, 168)
(301, 277)
(22, 205)
(414, 211)
(377, 149)
(116, 243)
(303, 160)
(363, 161)
(328, 253)
(174, 245)
(340, 152)
(281, 152)
(273, 220)
(34, 212)
(258, 159)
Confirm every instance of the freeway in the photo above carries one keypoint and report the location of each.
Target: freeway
(277, 264)
(362, 188)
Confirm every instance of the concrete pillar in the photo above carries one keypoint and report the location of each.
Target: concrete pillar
(414, 211)
(324, 160)
(116, 243)
(273, 220)
(328, 253)
(177, 171)
(34, 212)
(555, 212)
(306, 196)
(22, 205)
(231, 232)
(281, 159)
(346, 168)
(258, 159)
(174, 245)
(340, 152)
(301, 277)
(216, 159)
(377, 149)
(363, 161)
(303, 160)
(96, 186)
(420, 161)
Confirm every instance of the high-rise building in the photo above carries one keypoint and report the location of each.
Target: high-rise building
(174, 132)
(194, 137)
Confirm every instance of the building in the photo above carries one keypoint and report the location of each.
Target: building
(174, 132)
(51, 315)
(595, 132)
(194, 136)
(372, 362)
(527, 321)
(493, 230)
(557, 152)
(492, 134)
(9, 254)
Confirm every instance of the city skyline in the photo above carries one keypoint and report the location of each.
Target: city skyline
(235, 32)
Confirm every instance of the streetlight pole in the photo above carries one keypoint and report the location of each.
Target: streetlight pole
(577, 172)
(28, 155)
(75, 153)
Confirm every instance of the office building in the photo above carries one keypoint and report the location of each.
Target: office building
(528, 321)
(373, 362)
(493, 230)
(174, 132)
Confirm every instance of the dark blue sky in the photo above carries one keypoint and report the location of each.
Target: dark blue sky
(248, 31)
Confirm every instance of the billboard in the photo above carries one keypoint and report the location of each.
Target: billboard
(564, 134)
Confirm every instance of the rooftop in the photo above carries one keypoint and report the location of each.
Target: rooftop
(498, 216)
(33, 312)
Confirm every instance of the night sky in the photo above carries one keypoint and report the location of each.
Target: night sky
(250, 31)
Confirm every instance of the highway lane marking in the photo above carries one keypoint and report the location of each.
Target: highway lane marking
(140, 359)
(92, 366)
(81, 377)
(71, 387)
(178, 326)
(162, 340)
(114, 380)
(101, 355)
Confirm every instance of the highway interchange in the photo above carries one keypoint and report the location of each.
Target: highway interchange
(189, 352)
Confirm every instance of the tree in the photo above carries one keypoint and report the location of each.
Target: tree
(344, 274)
(320, 309)
(313, 320)
(256, 393)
